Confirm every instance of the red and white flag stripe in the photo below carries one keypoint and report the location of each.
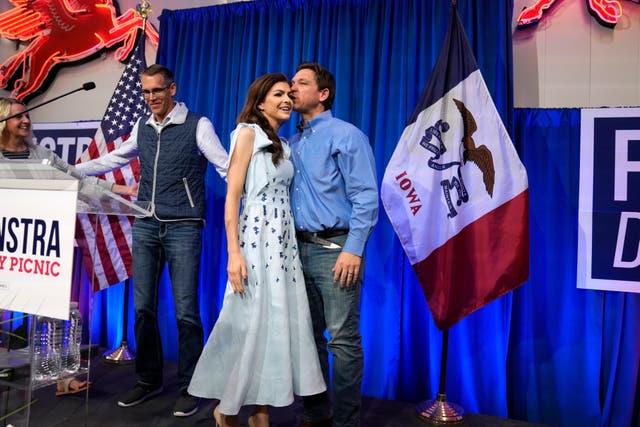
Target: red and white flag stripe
(106, 240)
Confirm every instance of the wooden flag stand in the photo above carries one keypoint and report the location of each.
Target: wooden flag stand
(438, 411)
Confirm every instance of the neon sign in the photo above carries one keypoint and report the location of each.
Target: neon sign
(63, 31)
(606, 12)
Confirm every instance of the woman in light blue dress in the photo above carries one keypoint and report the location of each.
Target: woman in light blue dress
(261, 351)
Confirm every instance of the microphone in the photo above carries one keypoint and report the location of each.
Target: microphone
(85, 86)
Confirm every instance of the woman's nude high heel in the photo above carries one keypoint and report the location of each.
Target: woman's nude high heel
(260, 417)
(216, 416)
(225, 420)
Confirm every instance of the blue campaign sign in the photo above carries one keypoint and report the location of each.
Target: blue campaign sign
(609, 210)
(67, 140)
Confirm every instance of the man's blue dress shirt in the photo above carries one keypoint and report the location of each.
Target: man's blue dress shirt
(334, 185)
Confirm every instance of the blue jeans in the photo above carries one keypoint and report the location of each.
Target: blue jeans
(336, 310)
(179, 244)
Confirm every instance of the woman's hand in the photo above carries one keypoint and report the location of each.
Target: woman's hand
(237, 271)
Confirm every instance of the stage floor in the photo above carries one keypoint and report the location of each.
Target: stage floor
(109, 381)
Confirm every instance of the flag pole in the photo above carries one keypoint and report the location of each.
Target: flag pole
(438, 410)
(144, 9)
(122, 354)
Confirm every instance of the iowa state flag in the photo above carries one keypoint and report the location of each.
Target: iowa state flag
(456, 192)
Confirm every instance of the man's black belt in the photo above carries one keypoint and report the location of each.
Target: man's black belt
(320, 237)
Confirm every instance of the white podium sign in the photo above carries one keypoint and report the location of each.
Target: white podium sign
(38, 206)
(37, 226)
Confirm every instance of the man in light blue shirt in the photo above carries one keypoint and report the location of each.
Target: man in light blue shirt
(334, 197)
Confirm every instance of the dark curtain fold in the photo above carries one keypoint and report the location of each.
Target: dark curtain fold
(547, 352)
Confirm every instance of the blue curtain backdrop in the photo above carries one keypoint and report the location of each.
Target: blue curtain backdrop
(547, 352)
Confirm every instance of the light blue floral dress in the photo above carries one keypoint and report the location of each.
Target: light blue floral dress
(261, 350)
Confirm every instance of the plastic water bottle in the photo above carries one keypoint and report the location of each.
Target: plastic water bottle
(40, 343)
(55, 362)
(46, 349)
(71, 340)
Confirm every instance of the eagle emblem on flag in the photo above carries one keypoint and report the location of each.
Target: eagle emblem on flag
(481, 155)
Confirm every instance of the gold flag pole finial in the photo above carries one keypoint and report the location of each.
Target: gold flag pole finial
(144, 9)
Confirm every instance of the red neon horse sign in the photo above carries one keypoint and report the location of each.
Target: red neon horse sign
(63, 31)
(606, 12)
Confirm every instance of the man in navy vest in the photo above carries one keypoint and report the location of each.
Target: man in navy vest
(173, 145)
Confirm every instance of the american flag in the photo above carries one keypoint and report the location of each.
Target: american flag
(105, 241)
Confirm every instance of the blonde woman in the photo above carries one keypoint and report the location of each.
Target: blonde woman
(16, 143)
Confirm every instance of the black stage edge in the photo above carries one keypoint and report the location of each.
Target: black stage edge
(109, 381)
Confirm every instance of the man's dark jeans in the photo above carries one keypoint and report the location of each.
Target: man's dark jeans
(179, 244)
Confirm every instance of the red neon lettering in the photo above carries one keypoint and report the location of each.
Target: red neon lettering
(532, 14)
(606, 12)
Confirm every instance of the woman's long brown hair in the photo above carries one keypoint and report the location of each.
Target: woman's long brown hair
(251, 114)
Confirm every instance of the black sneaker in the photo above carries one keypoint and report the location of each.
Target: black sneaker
(186, 405)
(139, 393)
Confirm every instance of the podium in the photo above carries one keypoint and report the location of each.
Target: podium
(37, 229)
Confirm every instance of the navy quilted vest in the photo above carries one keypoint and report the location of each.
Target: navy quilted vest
(172, 170)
